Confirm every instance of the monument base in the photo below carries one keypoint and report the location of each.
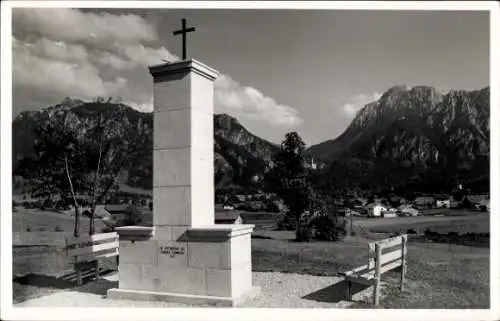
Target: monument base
(139, 295)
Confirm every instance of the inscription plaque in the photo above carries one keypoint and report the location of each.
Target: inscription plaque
(172, 251)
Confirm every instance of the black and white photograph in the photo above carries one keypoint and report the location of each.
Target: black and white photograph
(220, 158)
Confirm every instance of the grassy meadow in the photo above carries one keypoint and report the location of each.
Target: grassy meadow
(467, 222)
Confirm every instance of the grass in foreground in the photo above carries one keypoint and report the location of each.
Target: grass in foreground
(436, 278)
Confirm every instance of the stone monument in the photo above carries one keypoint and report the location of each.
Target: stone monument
(184, 257)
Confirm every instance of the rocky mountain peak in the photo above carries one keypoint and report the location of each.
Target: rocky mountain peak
(396, 103)
(416, 133)
(70, 103)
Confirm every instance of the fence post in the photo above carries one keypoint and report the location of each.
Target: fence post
(96, 267)
(376, 285)
(350, 231)
(403, 261)
(78, 276)
(349, 291)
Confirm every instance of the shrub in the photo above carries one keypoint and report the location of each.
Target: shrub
(58, 228)
(271, 207)
(326, 228)
(48, 203)
(304, 233)
(134, 215)
(286, 223)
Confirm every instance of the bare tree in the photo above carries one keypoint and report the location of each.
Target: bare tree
(112, 143)
(55, 169)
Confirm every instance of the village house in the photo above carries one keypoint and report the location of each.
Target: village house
(310, 163)
(117, 211)
(443, 203)
(344, 212)
(375, 209)
(100, 211)
(475, 201)
(356, 203)
(484, 205)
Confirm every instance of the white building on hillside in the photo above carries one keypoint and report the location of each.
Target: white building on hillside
(375, 209)
(443, 203)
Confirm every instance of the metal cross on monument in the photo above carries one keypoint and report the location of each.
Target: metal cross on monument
(184, 31)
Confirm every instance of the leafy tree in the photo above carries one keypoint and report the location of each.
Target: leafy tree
(458, 195)
(75, 157)
(288, 177)
(56, 169)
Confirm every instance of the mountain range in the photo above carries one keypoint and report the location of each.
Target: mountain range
(239, 155)
(411, 138)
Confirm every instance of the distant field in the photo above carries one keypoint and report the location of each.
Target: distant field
(452, 221)
(450, 212)
(46, 221)
(475, 223)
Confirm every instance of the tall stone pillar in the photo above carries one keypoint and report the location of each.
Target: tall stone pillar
(183, 161)
(185, 257)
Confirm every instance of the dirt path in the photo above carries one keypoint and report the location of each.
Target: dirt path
(278, 290)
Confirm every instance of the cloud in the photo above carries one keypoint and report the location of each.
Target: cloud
(53, 68)
(355, 103)
(250, 103)
(68, 52)
(72, 25)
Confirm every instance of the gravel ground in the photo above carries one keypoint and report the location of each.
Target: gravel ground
(278, 290)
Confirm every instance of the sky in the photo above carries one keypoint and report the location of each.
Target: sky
(308, 71)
